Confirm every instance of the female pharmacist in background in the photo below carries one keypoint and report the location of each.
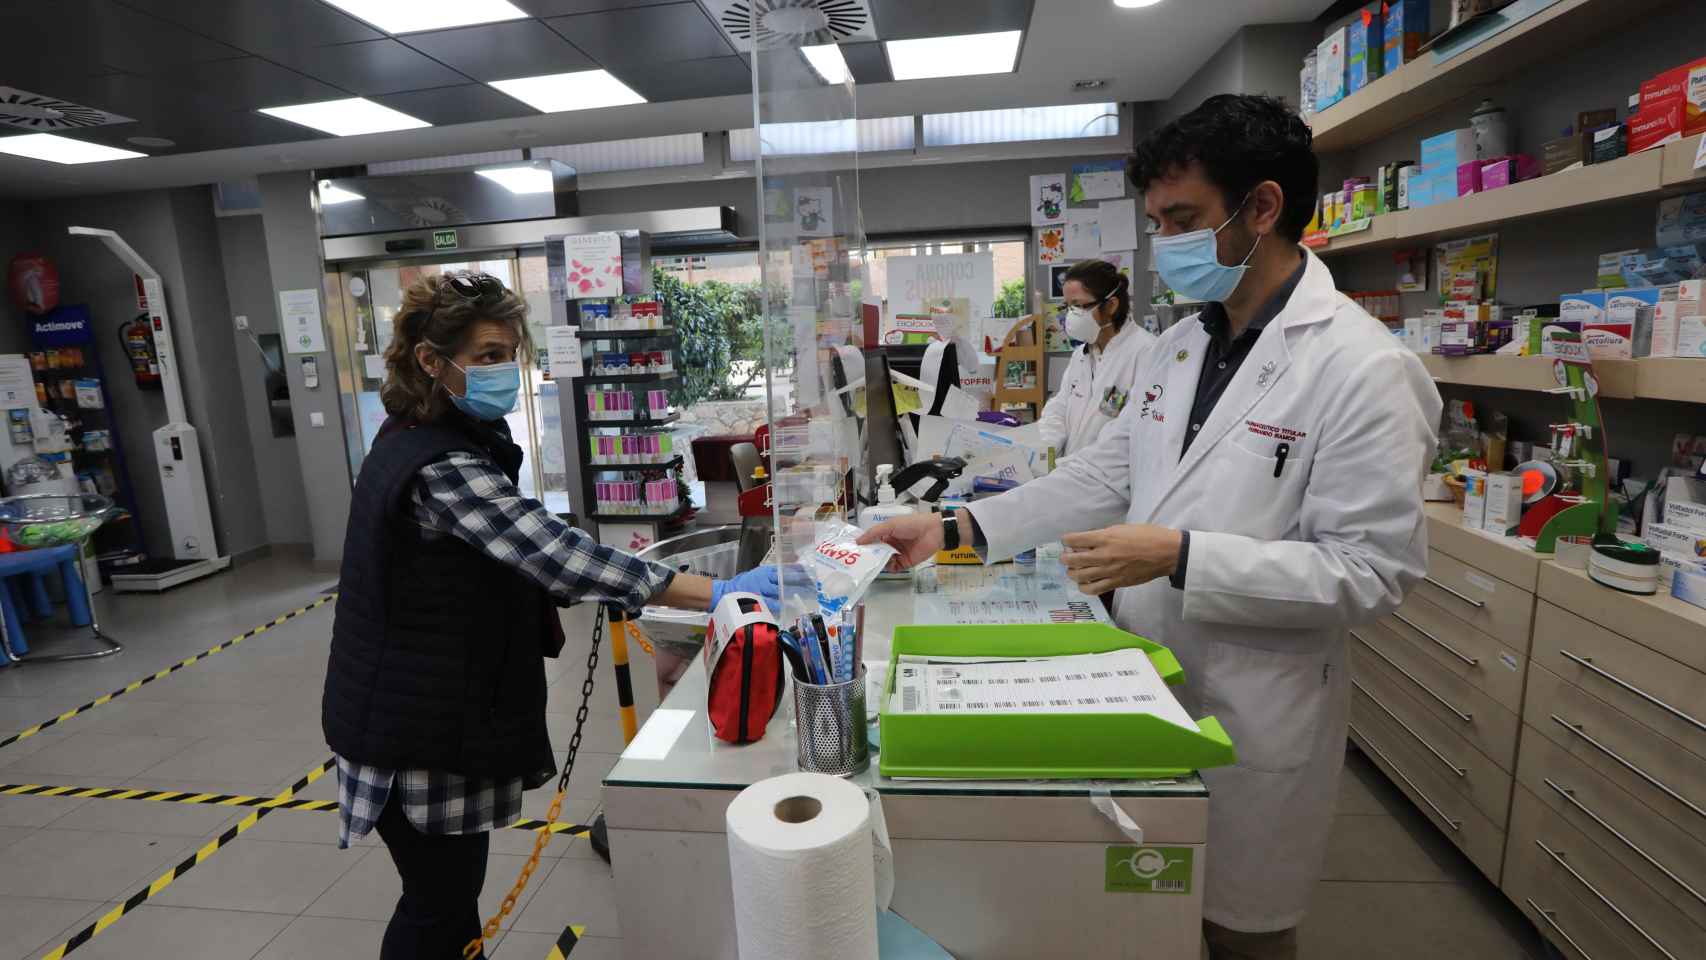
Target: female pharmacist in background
(435, 691)
(1099, 376)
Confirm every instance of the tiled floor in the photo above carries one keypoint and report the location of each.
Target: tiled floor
(246, 721)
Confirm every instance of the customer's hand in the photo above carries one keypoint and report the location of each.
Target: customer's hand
(760, 580)
(915, 538)
(1120, 556)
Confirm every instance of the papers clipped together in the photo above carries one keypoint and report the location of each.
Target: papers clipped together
(1120, 681)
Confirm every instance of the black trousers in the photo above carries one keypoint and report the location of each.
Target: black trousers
(439, 911)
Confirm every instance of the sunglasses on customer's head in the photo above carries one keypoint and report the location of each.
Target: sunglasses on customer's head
(476, 286)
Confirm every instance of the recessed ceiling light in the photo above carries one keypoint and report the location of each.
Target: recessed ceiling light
(583, 90)
(961, 56)
(330, 193)
(160, 142)
(520, 179)
(1134, 4)
(827, 60)
(407, 16)
(346, 118)
(49, 146)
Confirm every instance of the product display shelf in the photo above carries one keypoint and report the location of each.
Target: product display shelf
(1626, 178)
(1682, 379)
(596, 378)
(1426, 84)
(1670, 378)
(655, 333)
(1508, 558)
(649, 465)
(1679, 169)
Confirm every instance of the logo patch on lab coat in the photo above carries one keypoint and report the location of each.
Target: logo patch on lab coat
(1286, 434)
(1113, 401)
(1150, 398)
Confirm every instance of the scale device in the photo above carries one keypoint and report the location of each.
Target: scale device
(177, 454)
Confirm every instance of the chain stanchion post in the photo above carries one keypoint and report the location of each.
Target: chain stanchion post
(624, 680)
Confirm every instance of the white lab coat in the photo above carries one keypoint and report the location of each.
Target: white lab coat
(1083, 405)
(1284, 558)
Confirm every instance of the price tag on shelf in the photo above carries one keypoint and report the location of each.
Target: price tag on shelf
(563, 349)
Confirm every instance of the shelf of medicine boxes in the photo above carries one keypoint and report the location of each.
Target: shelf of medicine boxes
(628, 377)
(1555, 35)
(651, 334)
(669, 464)
(1682, 379)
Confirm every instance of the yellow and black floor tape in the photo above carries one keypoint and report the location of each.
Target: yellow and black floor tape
(168, 671)
(227, 800)
(163, 881)
(566, 943)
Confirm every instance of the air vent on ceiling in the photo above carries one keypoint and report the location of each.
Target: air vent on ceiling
(794, 23)
(1080, 86)
(33, 111)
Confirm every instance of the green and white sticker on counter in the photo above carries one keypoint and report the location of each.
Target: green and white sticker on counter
(1129, 869)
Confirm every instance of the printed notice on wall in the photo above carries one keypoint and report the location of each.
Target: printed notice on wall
(17, 382)
(563, 351)
(299, 316)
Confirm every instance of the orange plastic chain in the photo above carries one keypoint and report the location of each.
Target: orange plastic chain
(472, 950)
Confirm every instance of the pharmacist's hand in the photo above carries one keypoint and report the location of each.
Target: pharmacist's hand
(915, 538)
(1120, 556)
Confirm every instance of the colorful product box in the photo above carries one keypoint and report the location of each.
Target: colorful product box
(1685, 515)
(1666, 326)
(1330, 69)
(1609, 144)
(1682, 220)
(1409, 183)
(1364, 54)
(1496, 174)
(1628, 312)
(1456, 338)
(1686, 83)
(1671, 539)
(1689, 587)
(1583, 308)
(1468, 178)
(1691, 336)
(1503, 511)
(1404, 29)
(1656, 125)
(1474, 499)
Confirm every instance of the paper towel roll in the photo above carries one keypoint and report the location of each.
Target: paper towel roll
(800, 861)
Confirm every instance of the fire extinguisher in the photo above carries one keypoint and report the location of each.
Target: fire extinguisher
(138, 343)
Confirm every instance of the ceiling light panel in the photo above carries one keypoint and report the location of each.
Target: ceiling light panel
(346, 118)
(826, 59)
(408, 16)
(331, 194)
(582, 90)
(48, 146)
(962, 56)
(520, 179)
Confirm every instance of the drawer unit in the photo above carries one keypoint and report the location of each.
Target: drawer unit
(1650, 687)
(1668, 858)
(1556, 912)
(1478, 658)
(1502, 557)
(1662, 623)
(1409, 769)
(1556, 852)
(1483, 601)
(1436, 746)
(1475, 715)
(1669, 780)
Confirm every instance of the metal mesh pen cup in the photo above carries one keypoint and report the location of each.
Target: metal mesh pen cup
(829, 722)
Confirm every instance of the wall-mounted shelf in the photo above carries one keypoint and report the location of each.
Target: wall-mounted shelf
(591, 378)
(635, 422)
(654, 465)
(1632, 177)
(1653, 378)
(654, 333)
(1424, 85)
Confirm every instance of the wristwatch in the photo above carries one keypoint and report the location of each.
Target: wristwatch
(950, 531)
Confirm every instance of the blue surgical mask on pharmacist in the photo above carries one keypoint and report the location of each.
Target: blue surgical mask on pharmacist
(489, 391)
(1190, 263)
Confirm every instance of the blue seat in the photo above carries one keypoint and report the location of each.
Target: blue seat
(24, 572)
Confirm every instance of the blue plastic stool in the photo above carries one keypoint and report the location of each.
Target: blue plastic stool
(23, 572)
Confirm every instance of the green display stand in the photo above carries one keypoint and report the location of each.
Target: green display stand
(1020, 746)
(1593, 518)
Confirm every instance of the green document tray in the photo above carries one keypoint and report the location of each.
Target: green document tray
(1015, 746)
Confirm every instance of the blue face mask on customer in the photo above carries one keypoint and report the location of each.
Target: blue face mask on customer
(490, 390)
(1190, 264)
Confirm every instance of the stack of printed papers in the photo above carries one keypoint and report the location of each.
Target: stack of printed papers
(1120, 681)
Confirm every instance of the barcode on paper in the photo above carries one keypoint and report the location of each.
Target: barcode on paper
(1169, 886)
(909, 699)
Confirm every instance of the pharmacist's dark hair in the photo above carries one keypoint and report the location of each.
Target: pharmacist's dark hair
(1239, 140)
(1102, 278)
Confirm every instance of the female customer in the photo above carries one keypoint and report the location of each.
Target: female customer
(1098, 379)
(435, 691)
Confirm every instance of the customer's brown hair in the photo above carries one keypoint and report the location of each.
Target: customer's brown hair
(434, 314)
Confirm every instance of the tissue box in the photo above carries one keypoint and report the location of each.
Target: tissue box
(1503, 510)
(1364, 55)
(1403, 30)
(1330, 69)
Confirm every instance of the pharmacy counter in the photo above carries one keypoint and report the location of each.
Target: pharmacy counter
(989, 869)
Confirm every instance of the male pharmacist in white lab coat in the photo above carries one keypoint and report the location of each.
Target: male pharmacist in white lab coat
(1260, 497)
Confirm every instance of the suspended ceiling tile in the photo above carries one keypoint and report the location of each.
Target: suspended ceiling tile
(690, 79)
(906, 19)
(373, 67)
(502, 51)
(556, 8)
(92, 34)
(867, 62)
(653, 37)
(193, 132)
(468, 103)
(262, 26)
(249, 83)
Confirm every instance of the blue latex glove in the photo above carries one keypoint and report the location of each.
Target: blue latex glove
(760, 580)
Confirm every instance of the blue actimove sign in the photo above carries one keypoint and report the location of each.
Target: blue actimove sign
(64, 326)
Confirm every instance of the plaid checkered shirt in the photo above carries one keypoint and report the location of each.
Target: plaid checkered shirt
(466, 496)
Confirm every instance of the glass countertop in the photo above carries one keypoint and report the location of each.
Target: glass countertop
(677, 750)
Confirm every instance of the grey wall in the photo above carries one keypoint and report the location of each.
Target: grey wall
(1221, 73)
(293, 254)
(1544, 257)
(17, 236)
(249, 289)
(1261, 59)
